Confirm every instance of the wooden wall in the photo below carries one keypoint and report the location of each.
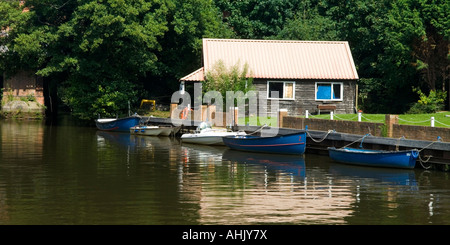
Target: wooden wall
(305, 97)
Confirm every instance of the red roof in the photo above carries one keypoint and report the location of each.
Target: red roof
(280, 59)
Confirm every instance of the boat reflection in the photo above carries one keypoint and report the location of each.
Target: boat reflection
(392, 176)
(104, 137)
(202, 154)
(293, 164)
(131, 140)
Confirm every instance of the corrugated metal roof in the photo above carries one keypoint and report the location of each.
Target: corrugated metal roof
(197, 75)
(282, 59)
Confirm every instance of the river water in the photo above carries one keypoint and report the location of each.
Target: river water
(59, 173)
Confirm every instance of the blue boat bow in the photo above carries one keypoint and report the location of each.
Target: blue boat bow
(375, 158)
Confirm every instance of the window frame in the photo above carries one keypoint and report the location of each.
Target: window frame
(341, 95)
(284, 86)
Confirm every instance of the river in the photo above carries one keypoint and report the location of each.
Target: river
(61, 173)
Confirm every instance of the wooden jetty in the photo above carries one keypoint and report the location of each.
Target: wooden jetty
(433, 154)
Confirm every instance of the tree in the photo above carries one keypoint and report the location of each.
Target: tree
(109, 46)
(99, 49)
(419, 33)
(308, 24)
(188, 22)
(223, 79)
(254, 19)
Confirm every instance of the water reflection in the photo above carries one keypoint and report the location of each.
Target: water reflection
(78, 175)
(292, 164)
(391, 176)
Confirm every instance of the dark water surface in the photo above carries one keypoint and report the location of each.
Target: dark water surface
(61, 173)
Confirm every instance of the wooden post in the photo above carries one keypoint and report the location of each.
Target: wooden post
(390, 120)
(173, 108)
(236, 116)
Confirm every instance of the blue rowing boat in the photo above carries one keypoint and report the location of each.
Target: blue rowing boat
(375, 158)
(117, 124)
(282, 144)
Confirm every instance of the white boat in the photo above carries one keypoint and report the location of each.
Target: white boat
(166, 131)
(206, 135)
(146, 130)
(154, 130)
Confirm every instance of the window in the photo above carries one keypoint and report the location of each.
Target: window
(329, 91)
(286, 90)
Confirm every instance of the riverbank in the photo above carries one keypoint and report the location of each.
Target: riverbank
(322, 133)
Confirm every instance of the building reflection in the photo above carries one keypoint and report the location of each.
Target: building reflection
(21, 151)
(255, 188)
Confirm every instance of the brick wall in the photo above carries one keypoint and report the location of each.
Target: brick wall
(341, 126)
(421, 132)
(362, 128)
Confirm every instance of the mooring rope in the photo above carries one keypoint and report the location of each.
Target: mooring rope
(439, 139)
(425, 161)
(362, 138)
(323, 138)
(398, 143)
(259, 129)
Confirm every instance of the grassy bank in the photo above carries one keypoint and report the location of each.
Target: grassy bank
(441, 120)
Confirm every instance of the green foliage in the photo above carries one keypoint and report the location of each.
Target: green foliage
(309, 25)
(428, 104)
(97, 52)
(188, 22)
(255, 19)
(222, 79)
(104, 98)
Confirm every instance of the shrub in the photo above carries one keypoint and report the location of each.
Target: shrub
(428, 104)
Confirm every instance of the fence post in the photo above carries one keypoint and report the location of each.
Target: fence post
(359, 116)
(432, 121)
(390, 120)
(306, 114)
(331, 115)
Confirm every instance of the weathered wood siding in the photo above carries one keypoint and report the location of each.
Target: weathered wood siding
(305, 97)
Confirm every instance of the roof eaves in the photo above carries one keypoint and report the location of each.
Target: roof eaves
(195, 76)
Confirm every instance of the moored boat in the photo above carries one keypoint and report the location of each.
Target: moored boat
(146, 130)
(153, 130)
(117, 124)
(206, 135)
(283, 144)
(375, 158)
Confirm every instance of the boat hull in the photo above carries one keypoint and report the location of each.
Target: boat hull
(282, 144)
(146, 130)
(121, 124)
(208, 138)
(152, 130)
(166, 131)
(391, 159)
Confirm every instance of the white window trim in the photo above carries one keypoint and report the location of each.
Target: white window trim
(331, 83)
(284, 84)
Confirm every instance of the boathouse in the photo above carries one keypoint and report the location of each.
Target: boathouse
(316, 76)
